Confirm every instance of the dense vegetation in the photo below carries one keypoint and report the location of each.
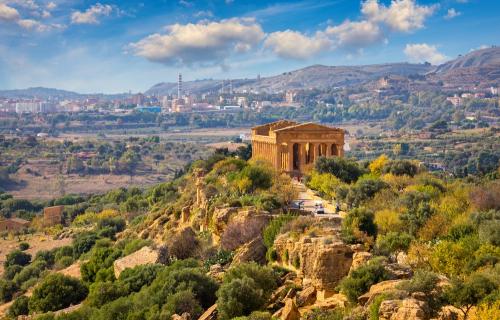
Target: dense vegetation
(442, 226)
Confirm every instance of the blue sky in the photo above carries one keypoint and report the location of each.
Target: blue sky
(117, 46)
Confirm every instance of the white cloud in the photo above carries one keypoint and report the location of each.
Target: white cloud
(200, 43)
(452, 13)
(92, 14)
(46, 14)
(51, 6)
(8, 13)
(207, 14)
(424, 53)
(355, 34)
(295, 45)
(400, 15)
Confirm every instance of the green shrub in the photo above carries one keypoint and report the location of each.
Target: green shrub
(345, 169)
(401, 167)
(181, 302)
(135, 278)
(422, 281)
(19, 307)
(101, 293)
(7, 290)
(359, 220)
(23, 246)
(46, 256)
(273, 229)
(465, 294)
(362, 278)
(17, 257)
(393, 242)
(57, 292)
(374, 307)
(245, 289)
(10, 272)
(64, 262)
(66, 251)
(83, 243)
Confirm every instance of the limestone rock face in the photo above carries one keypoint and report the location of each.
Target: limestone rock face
(306, 297)
(184, 316)
(143, 256)
(407, 309)
(254, 250)
(221, 218)
(377, 289)
(210, 314)
(359, 259)
(217, 272)
(290, 311)
(321, 262)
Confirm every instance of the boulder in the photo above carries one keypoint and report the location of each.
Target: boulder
(184, 316)
(337, 300)
(221, 218)
(359, 258)
(321, 261)
(254, 250)
(384, 287)
(306, 297)
(407, 309)
(449, 313)
(216, 271)
(399, 271)
(210, 313)
(185, 214)
(290, 311)
(142, 256)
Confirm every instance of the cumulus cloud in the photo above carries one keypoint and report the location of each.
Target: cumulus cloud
(422, 52)
(400, 15)
(200, 43)
(92, 14)
(295, 45)
(8, 13)
(355, 34)
(452, 13)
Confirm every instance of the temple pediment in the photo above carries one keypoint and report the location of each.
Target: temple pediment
(308, 126)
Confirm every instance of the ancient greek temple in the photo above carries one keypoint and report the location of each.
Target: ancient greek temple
(292, 147)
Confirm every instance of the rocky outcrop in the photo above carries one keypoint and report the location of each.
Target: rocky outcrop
(184, 316)
(399, 271)
(221, 218)
(407, 309)
(449, 313)
(321, 261)
(289, 311)
(254, 250)
(306, 297)
(217, 272)
(210, 313)
(359, 259)
(388, 287)
(143, 256)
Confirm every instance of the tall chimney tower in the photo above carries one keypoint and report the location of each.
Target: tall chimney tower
(179, 86)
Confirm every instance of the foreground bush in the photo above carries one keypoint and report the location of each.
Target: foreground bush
(246, 288)
(57, 292)
(361, 279)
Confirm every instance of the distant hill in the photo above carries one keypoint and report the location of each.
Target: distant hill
(316, 76)
(489, 57)
(38, 92)
(46, 93)
(480, 68)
